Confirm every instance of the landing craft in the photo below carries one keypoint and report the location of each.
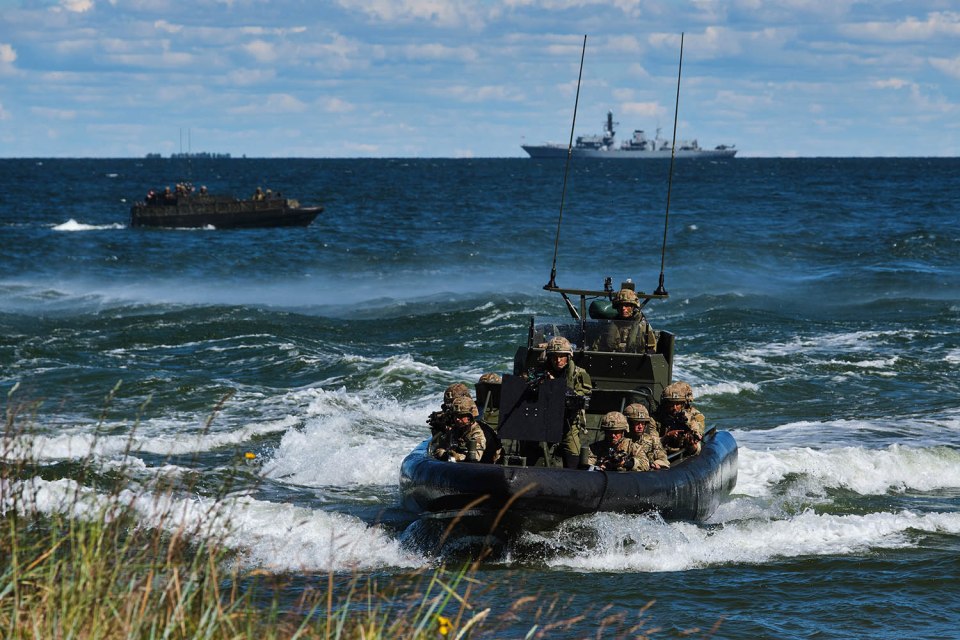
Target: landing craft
(528, 485)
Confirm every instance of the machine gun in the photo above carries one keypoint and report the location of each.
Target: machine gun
(614, 459)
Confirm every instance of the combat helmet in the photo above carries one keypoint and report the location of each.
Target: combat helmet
(675, 392)
(559, 346)
(454, 391)
(637, 412)
(687, 391)
(490, 378)
(625, 297)
(614, 421)
(464, 406)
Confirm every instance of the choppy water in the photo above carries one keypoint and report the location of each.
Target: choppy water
(816, 304)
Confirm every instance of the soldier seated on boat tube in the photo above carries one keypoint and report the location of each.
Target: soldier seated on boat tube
(441, 420)
(465, 439)
(629, 331)
(643, 432)
(616, 452)
(560, 365)
(681, 424)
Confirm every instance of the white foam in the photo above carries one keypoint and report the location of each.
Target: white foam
(865, 471)
(278, 537)
(77, 443)
(644, 544)
(348, 439)
(73, 225)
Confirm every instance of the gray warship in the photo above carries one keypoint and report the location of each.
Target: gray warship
(638, 147)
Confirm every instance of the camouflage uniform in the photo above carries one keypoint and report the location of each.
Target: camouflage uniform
(578, 381)
(622, 456)
(491, 414)
(455, 443)
(680, 430)
(644, 434)
(440, 420)
(633, 334)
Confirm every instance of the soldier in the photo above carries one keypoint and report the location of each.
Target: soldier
(681, 425)
(560, 365)
(465, 439)
(491, 414)
(440, 420)
(643, 432)
(630, 332)
(616, 452)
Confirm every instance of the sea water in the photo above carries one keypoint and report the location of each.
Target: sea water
(815, 302)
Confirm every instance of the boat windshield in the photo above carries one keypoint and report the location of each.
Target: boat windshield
(593, 335)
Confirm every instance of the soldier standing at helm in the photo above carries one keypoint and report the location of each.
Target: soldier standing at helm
(440, 420)
(681, 424)
(643, 432)
(464, 440)
(629, 331)
(560, 365)
(616, 452)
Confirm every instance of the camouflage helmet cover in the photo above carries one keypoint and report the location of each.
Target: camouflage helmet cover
(464, 406)
(626, 297)
(560, 346)
(687, 391)
(454, 391)
(637, 412)
(490, 378)
(614, 421)
(674, 392)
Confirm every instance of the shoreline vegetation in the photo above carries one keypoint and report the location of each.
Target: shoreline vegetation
(82, 561)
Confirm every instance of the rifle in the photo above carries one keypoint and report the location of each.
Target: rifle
(679, 454)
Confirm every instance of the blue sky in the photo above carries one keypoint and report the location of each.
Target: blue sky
(452, 78)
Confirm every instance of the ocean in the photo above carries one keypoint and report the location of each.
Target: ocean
(815, 303)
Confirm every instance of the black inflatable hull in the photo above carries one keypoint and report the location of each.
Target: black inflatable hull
(691, 490)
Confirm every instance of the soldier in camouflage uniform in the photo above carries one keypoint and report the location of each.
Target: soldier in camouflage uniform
(630, 332)
(440, 420)
(491, 414)
(681, 424)
(560, 365)
(465, 439)
(643, 432)
(616, 452)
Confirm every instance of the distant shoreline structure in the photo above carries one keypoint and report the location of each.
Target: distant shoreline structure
(191, 155)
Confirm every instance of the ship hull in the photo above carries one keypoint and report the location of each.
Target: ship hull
(222, 213)
(559, 151)
(535, 496)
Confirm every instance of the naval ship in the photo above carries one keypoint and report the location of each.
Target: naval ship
(639, 147)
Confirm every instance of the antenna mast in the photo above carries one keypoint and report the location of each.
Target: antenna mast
(661, 291)
(556, 244)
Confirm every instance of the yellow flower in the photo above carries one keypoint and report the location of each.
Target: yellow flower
(443, 625)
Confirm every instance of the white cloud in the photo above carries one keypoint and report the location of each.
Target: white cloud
(470, 93)
(644, 109)
(336, 105)
(444, 13)
(275, 103)
(248, 77)
(261, 50)
(949, 66)
(893, 83)
(908, 29)
(76, 6)
(7, 54)
(54, 114)
(4, 114)
(440, 52)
